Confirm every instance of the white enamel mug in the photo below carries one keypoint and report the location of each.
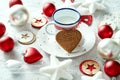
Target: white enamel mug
(64, 19)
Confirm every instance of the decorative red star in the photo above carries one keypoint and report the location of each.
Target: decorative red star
(38, 21)
(90, 67)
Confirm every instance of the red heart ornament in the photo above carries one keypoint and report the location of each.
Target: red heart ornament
(112, 68)
(32, 55)
(86, 19)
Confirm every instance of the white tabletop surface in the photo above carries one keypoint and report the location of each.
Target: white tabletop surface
(30, 71)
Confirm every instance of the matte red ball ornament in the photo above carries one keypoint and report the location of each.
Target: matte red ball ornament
(32, 55)
(112, 68)
(15, 2)
(2, 29)
(105, 31)
(48, 9)
(6, 44)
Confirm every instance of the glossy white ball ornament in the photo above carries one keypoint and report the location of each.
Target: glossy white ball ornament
(108, 48)
(18, 15)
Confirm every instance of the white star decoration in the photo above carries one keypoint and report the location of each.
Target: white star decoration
(57, 69)
(14, 65)
(88, 2)
(83, 10)
(94, 5)
(97, 76)
(90, 6)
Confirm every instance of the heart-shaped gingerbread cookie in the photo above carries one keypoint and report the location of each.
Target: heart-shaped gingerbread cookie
(68, 39)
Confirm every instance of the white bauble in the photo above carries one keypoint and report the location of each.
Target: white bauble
(18, 15)
(108, 48)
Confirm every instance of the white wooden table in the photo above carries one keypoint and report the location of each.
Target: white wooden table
(30, 71)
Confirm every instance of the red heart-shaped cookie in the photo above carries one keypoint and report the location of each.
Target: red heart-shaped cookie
(68, 39)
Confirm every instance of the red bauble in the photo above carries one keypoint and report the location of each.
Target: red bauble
(6, 43)
(2, 29)
(48, 9)
(14, 2)
(105, 31)
(32, 55)
(112, 68)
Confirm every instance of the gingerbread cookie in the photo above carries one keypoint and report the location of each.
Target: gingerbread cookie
(89, 67)
(68, 39)
(26, 37)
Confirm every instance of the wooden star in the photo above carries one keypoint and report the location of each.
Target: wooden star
(25, 36)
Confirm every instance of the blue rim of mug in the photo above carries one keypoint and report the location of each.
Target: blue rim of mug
(66, 9)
